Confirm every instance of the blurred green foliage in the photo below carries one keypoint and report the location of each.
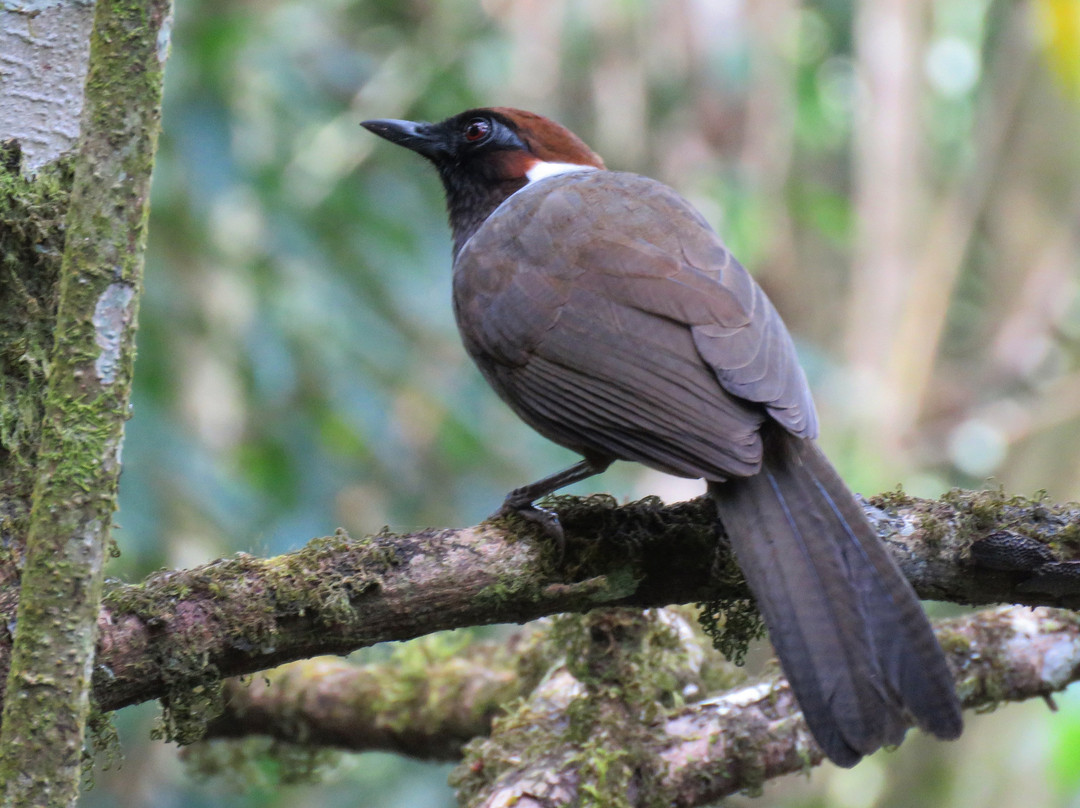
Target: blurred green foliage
(298, 365)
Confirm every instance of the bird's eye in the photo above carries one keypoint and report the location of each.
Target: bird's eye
(477, 129)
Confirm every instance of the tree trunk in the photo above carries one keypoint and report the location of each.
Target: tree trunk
(87, 385)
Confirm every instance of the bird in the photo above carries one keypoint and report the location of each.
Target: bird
(608, 314)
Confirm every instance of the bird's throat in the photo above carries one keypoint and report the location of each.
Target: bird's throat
(470, 201)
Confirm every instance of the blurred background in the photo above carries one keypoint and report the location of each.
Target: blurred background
(902, 176)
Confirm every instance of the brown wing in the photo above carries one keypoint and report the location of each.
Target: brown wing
(604, 310)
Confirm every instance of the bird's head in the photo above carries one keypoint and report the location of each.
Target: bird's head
(485, 155)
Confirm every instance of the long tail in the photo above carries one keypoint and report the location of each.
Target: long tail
(847, 627)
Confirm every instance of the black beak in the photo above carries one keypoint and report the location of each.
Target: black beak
(418, 137)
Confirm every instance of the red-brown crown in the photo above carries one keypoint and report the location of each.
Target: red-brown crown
(547, 140)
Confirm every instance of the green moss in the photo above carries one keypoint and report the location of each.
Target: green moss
(600, 531)
(406, 697)
(603, 536)
(933, 528)
(186, 708)
(971, 515)
(732, 624)
(952, 642)
(259, 762)
(102, 745)
(985, 509)
(893, 500)
(82, 411)
(32, 211)
(731, 621)
(982, 512)
(243, 597)
(507, 588)
(609, 549)
(628, 664)
(1068, 538)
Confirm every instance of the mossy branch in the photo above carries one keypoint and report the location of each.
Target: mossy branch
(697, 754)
(428, 700)
(85, 403)
(185, 628)
(691, 736)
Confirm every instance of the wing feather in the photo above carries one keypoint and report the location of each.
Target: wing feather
(658, 348)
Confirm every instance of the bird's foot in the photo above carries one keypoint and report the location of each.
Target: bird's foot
(546, 518)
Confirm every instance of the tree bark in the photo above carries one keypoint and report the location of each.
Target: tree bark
(44, 47)
(85, 404)
(184, 630)
(440, 704)
(695, 755)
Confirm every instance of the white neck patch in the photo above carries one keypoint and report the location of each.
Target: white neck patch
(542, 170)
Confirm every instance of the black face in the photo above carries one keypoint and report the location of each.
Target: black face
(478, 156)
(474, 132)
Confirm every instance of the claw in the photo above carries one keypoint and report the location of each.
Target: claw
(520, 500)
(546, 518)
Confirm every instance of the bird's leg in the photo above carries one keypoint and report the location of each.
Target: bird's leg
(520, 500)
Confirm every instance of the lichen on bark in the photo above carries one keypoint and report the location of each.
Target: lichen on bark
(617, 672)
(83, 408)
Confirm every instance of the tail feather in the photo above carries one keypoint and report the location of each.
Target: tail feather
(848, 629)
(907, 649)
